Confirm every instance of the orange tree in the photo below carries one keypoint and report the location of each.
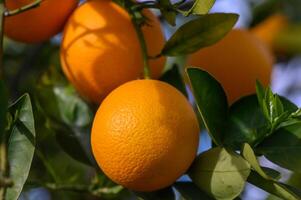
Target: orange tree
(138, 137)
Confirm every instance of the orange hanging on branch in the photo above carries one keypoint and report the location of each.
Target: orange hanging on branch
(101, 50)
(38, 24)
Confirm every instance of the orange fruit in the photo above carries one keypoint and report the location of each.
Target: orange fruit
(145, 135)
(101, 50)
(236, 62)
(268, 29)
(38, 24)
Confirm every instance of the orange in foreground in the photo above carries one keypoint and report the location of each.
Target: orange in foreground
(145, 135)
(38, 24)
(236, 62)
(101, 50)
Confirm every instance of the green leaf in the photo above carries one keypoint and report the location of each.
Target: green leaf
(260, 91)
(220, 173)
(248, 124)
(21, 145)
(245, 124)
(174, 78)
(277, 110)
(164, 194)
(189, 191)
(250, 156)
(3, 107)
(271, 173)
(61, 103)
(201, 32)
(211, 101)
(167, 11)
(70, 117)
(284, 147)
(279, 189)
(265, 9)
(200, 7)
(70, 144)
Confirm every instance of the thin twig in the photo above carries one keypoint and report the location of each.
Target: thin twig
(9, 13)
(137, 26)
(80, 188)
(6, 182)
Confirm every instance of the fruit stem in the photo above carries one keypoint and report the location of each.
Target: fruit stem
(17, 11)
(137, 26)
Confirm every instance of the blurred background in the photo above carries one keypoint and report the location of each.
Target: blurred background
(35, 69)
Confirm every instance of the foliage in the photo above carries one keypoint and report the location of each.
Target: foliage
(46, 132)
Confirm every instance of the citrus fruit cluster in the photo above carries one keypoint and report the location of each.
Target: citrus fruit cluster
(145, 133)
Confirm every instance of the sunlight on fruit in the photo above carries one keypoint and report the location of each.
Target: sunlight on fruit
(140, 147)
(98, 55)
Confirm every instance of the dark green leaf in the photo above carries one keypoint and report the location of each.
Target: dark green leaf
(211, 101)
(63, 104)
(279, 189)
(70, 144)
(189, 191)
(200, 7)
(169, 16)
(3, 107)
(174, 78)
(245, 124)
(271, 173)
(284, 147)
(260, 91)
(21, 145)
(294, 180)
(164, 194)
(66, 111)
(167, 11)
(201, 32)
(265, 9)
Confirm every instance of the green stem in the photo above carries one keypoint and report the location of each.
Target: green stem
(17, 11)
(146, 68)
(65, 187)
(88, 189)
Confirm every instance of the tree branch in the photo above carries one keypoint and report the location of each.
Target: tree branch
(9, 13)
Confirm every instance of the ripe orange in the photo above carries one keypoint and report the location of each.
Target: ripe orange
(268, 30)
(101, 50)
(236, 62)
(145, 135)
(38, 24)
